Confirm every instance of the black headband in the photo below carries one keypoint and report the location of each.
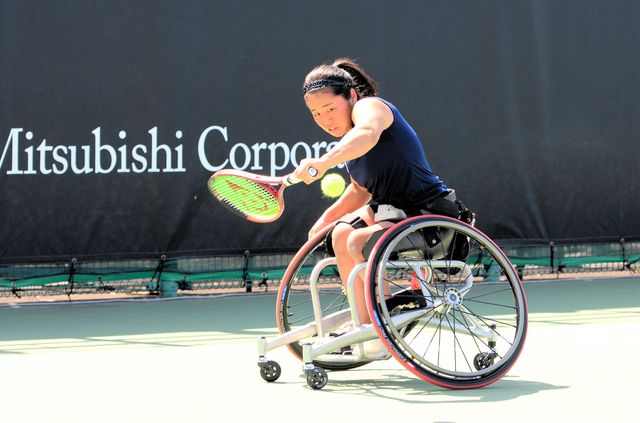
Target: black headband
(321, 83)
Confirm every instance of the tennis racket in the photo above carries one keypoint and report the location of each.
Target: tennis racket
(254, 197)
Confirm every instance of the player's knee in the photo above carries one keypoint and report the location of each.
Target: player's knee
(340, 237)
(355, 244)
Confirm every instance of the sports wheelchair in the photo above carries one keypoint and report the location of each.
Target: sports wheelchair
(456, 317)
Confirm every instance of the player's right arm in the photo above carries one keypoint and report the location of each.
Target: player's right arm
(370, 117)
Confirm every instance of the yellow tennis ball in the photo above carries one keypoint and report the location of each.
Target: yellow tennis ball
(333, 185)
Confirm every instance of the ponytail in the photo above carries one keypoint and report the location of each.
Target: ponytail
(340, 76)
(365, 86)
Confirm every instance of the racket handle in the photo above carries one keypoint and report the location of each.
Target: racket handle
(291, 179)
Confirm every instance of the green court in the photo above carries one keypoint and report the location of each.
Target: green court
(194, 359)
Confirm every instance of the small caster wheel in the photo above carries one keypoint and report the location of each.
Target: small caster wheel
(483, 360)
(270, 371)
(317, 378)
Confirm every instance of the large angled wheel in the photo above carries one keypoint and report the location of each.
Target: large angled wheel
(466, 322)
(294, 307)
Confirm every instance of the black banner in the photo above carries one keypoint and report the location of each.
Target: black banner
(113, 116)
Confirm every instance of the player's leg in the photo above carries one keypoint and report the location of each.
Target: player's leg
(348, 244)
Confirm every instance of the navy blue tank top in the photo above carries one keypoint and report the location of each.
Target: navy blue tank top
(395, 171)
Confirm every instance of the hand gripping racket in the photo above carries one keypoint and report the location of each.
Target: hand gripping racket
(252, 196)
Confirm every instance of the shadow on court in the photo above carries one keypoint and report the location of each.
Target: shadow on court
(416, 391)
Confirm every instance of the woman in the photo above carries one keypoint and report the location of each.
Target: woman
(384, 158)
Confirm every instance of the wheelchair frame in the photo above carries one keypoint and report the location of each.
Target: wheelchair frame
(438, 301)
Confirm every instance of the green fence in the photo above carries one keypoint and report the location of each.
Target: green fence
(583, 258)
(168, 277)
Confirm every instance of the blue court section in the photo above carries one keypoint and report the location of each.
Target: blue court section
(194, 360)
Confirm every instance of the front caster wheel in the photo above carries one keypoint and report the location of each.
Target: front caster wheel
(317, 378)
(270, 371)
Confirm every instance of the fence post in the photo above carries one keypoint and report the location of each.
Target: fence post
(164, 289)
(72, 273)
(246, 282)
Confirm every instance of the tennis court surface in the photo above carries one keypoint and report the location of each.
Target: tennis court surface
(194, 360)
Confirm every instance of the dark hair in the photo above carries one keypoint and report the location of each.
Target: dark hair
(340, 76)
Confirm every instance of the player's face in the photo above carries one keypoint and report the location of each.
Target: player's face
(331, 112)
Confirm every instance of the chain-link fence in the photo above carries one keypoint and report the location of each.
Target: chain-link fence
(169, 277)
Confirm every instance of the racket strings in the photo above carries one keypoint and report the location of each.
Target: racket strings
(244, 196)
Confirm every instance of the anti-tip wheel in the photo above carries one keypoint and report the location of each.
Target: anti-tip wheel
(317, 378)
(270, 371)
(483, 360)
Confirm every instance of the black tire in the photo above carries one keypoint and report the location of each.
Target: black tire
(270, 371)
(294, 307)
(317, 378)
(473, 308)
